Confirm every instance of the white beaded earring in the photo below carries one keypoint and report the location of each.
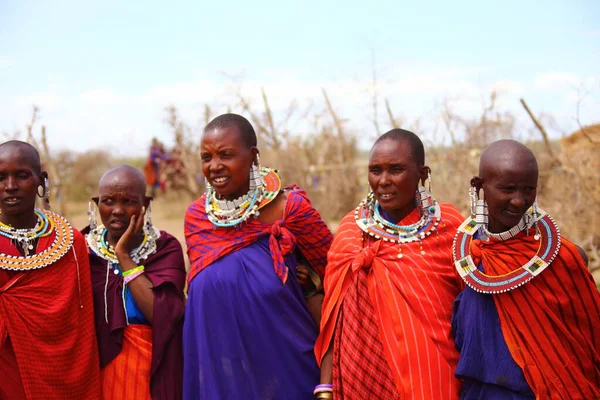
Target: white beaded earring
(148, 223)
(92, 214)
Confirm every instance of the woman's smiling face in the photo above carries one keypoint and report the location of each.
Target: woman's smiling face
(226, 161)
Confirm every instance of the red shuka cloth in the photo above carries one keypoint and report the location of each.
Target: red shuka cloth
(301, 225)
(47, 341)
(127, 376)
(411, 300)
(552, 323)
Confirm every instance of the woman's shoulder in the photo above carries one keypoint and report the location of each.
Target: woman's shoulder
(78, 237)
(168, 239)
(196, 206)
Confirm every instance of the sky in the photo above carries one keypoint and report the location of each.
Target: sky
(102, 73)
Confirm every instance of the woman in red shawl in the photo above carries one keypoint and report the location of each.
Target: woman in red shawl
(528, 323)
(138, 275)
(390, 284)
(47, 341)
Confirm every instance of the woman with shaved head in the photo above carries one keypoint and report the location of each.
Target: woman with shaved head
(138, 275)
(528, 323)
(47, 341)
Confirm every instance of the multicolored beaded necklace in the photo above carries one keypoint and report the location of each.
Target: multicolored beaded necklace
(98, 243)
(25, 238)
(223, 213)
(47, 223)
(369, 219)
(97, 240)
(546, 232)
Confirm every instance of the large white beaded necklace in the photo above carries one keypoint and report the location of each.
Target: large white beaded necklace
(265, 184)
(546, 231)
(370, 221)
(98, 242)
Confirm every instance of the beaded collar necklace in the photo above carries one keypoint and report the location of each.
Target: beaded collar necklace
(24, 238)
(546, 231)
(98, 242)
(47, 223)
(228, 213)
(370, 221)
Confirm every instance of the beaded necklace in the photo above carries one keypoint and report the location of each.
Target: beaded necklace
(98, 243)
(48, 222)
(369, 219)
(25, 238)
(546, 231)
(228, 213)
(97, 240)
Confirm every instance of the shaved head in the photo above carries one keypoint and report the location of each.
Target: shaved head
(124, 178)
(26, 151)
(508, 177)
(507, 155)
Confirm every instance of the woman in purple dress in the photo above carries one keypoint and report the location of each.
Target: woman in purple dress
(248, 331)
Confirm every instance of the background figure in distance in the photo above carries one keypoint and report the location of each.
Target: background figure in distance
(153, 166)
(138, 275)
(390, 284)
(528, 324)
(248, 332)
(47, 342)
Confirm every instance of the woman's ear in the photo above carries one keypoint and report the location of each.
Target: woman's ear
(424, 174)
(477, 182)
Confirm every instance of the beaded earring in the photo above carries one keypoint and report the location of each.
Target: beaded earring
(148, 223)
(92, 214)
(46, 194)
(535, 216)
(256, 179)
(429, 180)
(424, 197)
(481, 211)
(473, 200)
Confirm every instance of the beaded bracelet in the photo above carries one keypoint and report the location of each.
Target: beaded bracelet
(131, 277)
(323, 388)
(133, 271)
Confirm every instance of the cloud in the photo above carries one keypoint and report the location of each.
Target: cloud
(197, 91)
(507, 87)
(49, 100)
(102, 97)
(553, 80)
(125, 121)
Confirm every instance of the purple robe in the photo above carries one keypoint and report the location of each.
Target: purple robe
(166, 270)
(247, 335)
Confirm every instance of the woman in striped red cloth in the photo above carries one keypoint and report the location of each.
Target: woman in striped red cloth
(390, 286)
(528, 323)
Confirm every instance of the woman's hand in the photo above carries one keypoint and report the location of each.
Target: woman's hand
(128, 242)
(305, 280)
